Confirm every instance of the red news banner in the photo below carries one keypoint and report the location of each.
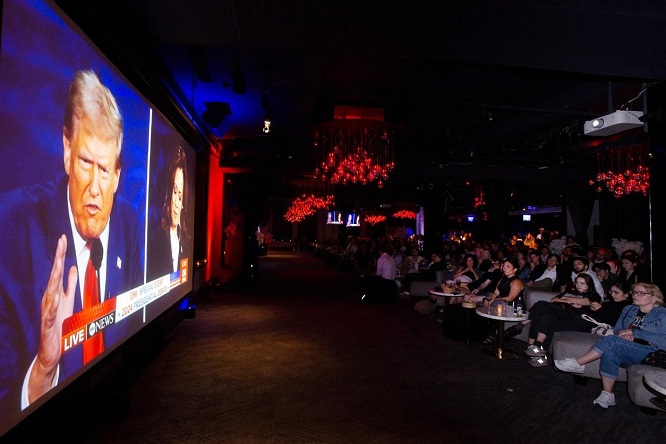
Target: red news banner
(87, 323)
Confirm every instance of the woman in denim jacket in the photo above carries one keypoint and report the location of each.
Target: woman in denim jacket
(640, 330)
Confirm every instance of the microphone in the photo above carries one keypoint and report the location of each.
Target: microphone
(96, 255)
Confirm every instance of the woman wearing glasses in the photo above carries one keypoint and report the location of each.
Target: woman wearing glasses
(640, 330)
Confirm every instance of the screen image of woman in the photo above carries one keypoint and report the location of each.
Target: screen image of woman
(169, 236)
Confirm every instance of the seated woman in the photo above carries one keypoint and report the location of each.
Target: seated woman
(486, 284)
(544, 316)
(469, 268)
(466, 273)
(631, 271)
(524, 269)
(607, 312)
(509, 288)
(640, 330)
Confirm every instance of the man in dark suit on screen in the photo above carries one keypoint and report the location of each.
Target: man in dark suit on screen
(60, 238)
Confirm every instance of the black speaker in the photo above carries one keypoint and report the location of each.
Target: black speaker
(215, 113)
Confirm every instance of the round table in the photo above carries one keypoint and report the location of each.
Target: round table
(439, 293)
(498, 351)
(657, 382)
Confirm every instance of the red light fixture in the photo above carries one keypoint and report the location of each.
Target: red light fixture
(356, 147)
(622, 171)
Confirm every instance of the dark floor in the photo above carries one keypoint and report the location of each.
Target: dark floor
(303, 360)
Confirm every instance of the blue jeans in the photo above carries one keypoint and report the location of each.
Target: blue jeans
(617, 352)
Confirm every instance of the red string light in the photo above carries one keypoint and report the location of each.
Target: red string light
(354, 151)
(625, 174)
(374, 220)
(405, 214)
(305, 206)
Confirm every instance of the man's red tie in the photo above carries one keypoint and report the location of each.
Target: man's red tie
(95, 345)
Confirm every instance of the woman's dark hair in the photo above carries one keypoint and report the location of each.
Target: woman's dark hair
(630, 256)
(624, 286)
(474, 258)
(178, 161)
(513, 261)
(590, 283)
(601, 266)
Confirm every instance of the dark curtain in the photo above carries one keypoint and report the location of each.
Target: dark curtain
(580, 201)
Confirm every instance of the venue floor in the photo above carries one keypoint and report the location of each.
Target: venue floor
(303, 360)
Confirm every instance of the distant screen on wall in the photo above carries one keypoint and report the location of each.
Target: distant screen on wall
(353, 220)
(334, 218)
(68, 195)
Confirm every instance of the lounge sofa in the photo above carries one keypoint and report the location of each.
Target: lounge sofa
(571, 344)
(531, 298)
(419, 289)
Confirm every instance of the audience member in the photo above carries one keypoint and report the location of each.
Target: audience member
(509, 289)
(603, 254)
(640, 330)
(484, 285)
(605, 276)
(631, 271)
(396, 254)
(544, 276)
(485, 261)
(382, 287)
(414, 262)
(582, 265)
(524, 269)
(436, 264)
(544, 316)
(607, 312)
(468, 270)
(567, 252)
(544, 251)
(363, 260)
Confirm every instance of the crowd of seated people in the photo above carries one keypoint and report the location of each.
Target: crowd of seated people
(585, 285)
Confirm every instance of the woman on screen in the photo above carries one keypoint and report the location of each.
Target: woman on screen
(168, 240)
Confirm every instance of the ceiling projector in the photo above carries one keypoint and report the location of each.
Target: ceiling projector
(613, 123)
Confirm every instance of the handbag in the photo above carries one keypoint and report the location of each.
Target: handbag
(601, 328)
(425, 306)
(656, 358)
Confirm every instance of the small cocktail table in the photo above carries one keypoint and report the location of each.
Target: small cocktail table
(657, 382)
(498, 350)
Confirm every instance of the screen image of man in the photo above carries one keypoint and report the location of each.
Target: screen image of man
(72, 239)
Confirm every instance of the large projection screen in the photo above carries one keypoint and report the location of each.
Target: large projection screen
(65, 195)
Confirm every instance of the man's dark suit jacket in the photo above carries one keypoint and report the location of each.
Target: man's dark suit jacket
(33, 219)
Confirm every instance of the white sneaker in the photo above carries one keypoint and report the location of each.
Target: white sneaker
(534, 350)
(569, 365)
(605, 400)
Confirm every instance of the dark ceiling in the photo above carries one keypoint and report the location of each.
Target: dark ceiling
(490, 93)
